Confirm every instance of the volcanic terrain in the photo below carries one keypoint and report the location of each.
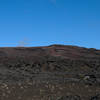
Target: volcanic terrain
(55, 72)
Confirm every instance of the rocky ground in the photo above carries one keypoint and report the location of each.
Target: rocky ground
(55, 72)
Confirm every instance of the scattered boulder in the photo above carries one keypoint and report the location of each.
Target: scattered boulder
(91, 79)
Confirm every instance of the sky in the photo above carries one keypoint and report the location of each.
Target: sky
(46, 22)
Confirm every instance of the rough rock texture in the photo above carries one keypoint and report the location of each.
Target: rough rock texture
(55, 72)
(70, 97)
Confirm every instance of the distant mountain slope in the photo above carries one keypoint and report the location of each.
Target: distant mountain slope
(49, 72)
(51, 58)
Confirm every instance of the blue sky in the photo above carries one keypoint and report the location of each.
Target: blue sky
(45, 22)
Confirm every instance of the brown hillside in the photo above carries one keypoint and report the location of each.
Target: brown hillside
(55, 72)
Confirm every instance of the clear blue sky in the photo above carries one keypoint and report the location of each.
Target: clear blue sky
(45, 22)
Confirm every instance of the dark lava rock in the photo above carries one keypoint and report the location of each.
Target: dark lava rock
(97, 97)
(91, 79)
(70, 97)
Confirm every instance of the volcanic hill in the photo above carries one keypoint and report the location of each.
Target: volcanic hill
(55, 72)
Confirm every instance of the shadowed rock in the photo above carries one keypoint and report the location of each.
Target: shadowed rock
(97, 97)
(75, 97)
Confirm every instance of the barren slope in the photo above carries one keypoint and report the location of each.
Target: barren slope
(59, 71)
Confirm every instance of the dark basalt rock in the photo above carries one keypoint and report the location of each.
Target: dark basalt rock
(90, 79)
(97, 97)
(70, 97)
